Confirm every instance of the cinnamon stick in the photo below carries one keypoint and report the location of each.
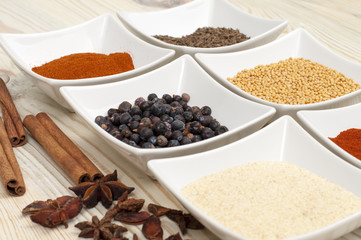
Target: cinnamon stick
(70, 166)
(10, 172)
(69, 146)
(13, 124)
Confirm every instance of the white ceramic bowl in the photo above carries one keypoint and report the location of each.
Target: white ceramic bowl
(323, 124)
(282, 140)
(185, 19)
(296, 44)
(183, 75)
(104, 34)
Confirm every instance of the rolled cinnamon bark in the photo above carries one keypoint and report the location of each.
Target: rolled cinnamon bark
(13, 124)
(10, 172)
(69, 165)
(69, 146)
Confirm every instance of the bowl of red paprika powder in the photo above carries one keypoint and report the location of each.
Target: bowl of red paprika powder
(99, 51)
(338, 129)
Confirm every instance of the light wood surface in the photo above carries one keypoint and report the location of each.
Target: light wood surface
(335, 23)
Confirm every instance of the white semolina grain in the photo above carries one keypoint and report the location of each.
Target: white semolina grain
(271, 200)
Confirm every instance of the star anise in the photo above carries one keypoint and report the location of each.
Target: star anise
(104, 190)
(51, 213)
(99, 229)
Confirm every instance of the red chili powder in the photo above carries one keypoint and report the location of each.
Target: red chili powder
(350, 141)
(86, 65)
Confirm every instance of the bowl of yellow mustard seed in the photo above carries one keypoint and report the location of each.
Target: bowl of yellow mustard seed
(293, 73)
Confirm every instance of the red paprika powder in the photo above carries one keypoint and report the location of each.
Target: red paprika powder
(350, 141)
(86, 65)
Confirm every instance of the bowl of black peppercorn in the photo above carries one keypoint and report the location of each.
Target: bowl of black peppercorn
(175, 110)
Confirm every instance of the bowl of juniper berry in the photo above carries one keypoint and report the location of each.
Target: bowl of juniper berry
(103, 34)
(184, 79)
(184, 20)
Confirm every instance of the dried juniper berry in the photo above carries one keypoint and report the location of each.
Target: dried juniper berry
(123, 126)
(166, 118)
(197, 114)
(176, 111)
(177, 125)
(152, 140)
(147, 113)
(139, 100)
(132, 143)
(220, 129)
(135, 110)
(157, 109)
(116, 133)
(188, 116)
(197, 138)
(135, 137)
(111, 111)
(124, 106)
(188, 108)
(213, 124)
(152, 96)
(126, 132)
(186, 97)
(100, 119)
(145, 133)
(124, 118)
(185, 140)
(133, 125)
(159, 128)
(179, 117)
(177, 97)
(175, 104)
(154, 119)
(167, 108)
(177, 135)
(168, 134)
(145, 105)
(147, 145)
(168, 98)
(205, 120)
(195, 127)
(173, 143)
(115, 119)
(206, 110)
(162, 141)
(207, 133)
(146, 122)
(107, 126)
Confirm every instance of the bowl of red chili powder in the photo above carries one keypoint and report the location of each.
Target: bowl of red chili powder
(99, 51)
(338, 129)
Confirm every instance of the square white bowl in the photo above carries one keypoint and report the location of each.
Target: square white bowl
(104, 34)
(297, 44)
(282, 140)
(185, 19)
(323, 124)
(183, 75)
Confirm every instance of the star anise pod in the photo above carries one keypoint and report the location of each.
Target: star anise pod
(99, 229)
(52, 213)
(104, 190)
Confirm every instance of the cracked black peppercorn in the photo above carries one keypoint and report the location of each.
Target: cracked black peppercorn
(158, 122)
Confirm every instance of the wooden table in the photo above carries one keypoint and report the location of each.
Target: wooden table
(335, 23)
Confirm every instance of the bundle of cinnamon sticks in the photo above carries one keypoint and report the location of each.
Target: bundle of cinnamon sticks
(12, 134)
(66, 154)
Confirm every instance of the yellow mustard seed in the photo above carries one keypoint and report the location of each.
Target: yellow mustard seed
(294, 81)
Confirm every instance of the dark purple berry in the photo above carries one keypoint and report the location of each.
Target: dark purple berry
(124, 118)
(152, 140)
(205, 120)
(177, 135)
(178, 125)
(157, 109)
(147, 113)
(207, 133)
(168, 98)
(136, 118)
(145, 122)
(195, 127)
(152, 96)
(100, 119)
(111, 111)
(145, 105)
(197, 138)
(188, 116)
(124, 106)
(185, 140)
(177, 98)
(138, 101)
(173, 143)
(186, 97)
(123, 126)
(133, 125)
(162, 141)
(179, 117)
(168, 134)
(159, 128)
(175, 104)
(166, 118)
(135, 110)
(145, 133)
(213, 124)
(135, 137)
(206, 110)
(147, 145)
(220, 129)
(115, 119)
(126, 132)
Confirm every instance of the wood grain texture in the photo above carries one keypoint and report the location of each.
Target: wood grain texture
(335, 23)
